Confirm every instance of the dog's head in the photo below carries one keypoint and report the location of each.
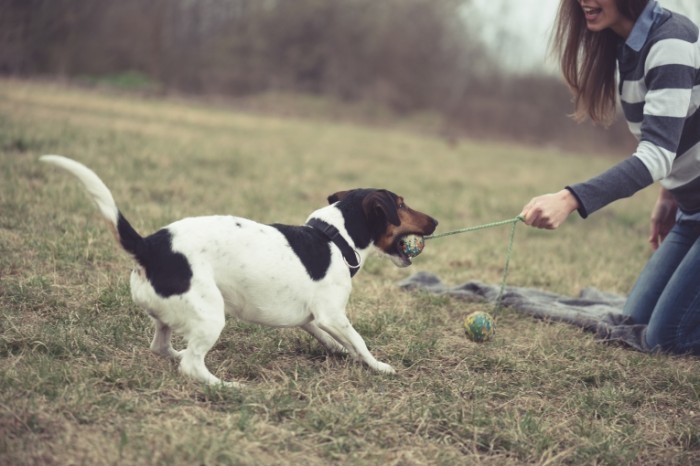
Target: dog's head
(382, 218)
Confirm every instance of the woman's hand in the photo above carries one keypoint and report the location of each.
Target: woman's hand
(549, 210)
(663, 217)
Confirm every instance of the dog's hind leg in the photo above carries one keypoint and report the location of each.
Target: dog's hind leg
(324, 338)
(339, 327)
(161, 340)
(203, 328)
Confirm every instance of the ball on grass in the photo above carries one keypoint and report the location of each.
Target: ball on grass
(412, 245)
(479, 326)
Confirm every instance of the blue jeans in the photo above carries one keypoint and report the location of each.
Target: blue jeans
(666, 296)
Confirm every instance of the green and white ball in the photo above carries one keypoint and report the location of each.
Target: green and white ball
(479, 326)
(412, 245)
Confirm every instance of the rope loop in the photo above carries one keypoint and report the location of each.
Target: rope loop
(514, 221)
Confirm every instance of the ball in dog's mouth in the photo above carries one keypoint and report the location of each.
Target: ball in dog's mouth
(411, 245)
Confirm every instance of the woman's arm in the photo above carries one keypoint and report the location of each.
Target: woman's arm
(663, 217)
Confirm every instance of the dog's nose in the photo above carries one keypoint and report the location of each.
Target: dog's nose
(433, 224)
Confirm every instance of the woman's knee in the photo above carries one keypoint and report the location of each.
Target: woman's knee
(672, 340)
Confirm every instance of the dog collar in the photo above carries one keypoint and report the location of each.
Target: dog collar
(351, 256)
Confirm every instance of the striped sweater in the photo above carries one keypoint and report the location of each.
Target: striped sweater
(659, 85)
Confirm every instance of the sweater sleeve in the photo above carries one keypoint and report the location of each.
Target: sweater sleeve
(620, 181)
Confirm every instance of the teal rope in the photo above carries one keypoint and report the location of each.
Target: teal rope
(514, 221)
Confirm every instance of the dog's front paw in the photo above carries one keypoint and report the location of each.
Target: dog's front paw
(385, 368)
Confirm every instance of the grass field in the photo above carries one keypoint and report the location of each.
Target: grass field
(78, 384)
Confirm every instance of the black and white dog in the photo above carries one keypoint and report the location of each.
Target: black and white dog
(194, 271)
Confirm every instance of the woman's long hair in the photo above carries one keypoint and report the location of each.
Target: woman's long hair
(588, 59)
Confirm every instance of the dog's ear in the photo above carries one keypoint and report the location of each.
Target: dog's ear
(380, 205)
(333, 198)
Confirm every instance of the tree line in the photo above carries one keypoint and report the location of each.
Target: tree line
(409, 55)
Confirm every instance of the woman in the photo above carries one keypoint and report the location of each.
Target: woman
(657, 53)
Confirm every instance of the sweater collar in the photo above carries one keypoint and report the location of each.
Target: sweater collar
(642, 27)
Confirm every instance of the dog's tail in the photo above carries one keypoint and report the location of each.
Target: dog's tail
(130, 240)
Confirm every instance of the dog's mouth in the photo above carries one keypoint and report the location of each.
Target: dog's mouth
(401, 255)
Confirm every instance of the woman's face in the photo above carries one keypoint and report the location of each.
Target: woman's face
(603, 14)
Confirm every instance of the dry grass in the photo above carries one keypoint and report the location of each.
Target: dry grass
(79, 386)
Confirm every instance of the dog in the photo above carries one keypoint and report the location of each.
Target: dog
(193, 272)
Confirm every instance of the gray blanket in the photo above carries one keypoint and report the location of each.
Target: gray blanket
(593, 310)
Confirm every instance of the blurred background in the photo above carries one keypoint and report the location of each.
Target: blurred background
(480, 67)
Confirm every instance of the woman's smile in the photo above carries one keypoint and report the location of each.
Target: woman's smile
(591, 13)
(603, 14)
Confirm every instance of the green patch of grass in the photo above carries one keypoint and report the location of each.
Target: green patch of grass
(127, 81)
